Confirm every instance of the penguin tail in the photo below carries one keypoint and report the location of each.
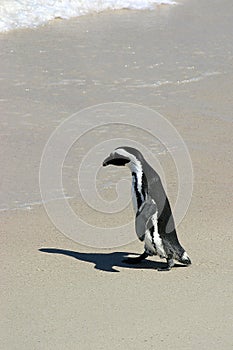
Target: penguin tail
(185, 259)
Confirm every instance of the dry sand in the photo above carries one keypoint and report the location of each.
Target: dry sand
(75, 299)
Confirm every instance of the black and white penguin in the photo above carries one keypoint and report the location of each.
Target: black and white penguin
(154, 221)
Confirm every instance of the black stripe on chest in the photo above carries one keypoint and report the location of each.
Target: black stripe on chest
(140, 196)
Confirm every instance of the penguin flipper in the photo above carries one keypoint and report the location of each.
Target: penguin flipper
(143, 216)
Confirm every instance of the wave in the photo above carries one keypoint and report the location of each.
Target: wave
(16, 14)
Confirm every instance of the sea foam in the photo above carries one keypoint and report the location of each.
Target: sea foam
(31, 13)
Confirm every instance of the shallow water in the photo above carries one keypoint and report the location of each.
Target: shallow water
(178, 67)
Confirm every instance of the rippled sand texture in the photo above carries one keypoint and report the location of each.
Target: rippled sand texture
(177, 61)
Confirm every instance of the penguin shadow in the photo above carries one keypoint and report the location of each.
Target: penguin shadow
(108, 261)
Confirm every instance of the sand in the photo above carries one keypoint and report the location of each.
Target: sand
(72, 296)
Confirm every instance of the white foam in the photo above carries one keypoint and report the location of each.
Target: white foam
(31, 13)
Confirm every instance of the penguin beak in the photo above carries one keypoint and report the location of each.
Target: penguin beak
(107, 161)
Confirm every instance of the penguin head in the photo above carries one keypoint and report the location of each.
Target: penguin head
(124, 156)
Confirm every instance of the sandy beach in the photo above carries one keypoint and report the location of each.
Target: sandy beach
(59, 294)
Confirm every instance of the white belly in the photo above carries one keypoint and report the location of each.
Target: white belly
(149, 246)
(154, 245)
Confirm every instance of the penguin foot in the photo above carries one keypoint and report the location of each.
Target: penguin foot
(170, 264)
(136, 260)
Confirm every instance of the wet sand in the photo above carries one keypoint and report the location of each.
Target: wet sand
(177, 61)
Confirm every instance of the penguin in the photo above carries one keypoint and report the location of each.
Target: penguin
(154, 222)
